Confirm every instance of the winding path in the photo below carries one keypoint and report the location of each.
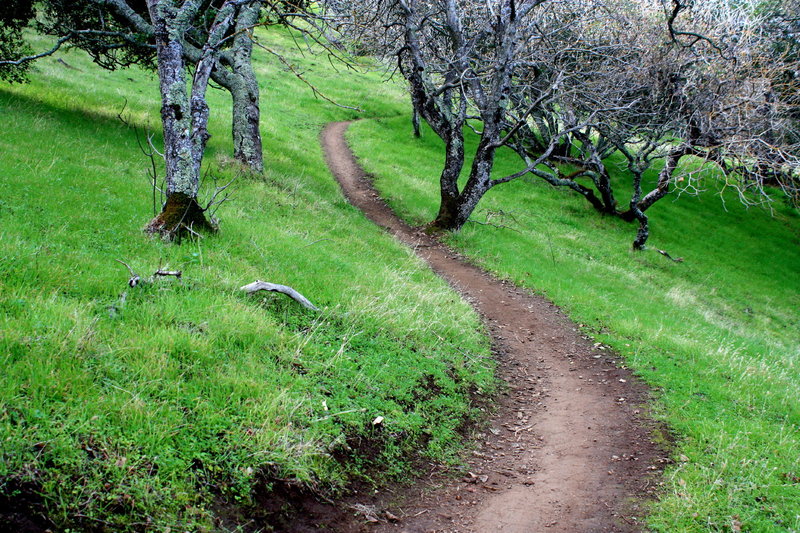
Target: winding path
(567, 449)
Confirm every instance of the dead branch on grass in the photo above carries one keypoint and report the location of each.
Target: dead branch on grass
(259, 285)
(665, 254)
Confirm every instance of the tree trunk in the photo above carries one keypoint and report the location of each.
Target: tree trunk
(184, 115)
(247, 148)
(603, 184)
(180, 212)
(176, 115)
(415, 122)
(644, 231)
(635, 211)
(446, 219)
(455, 212)
(664, 177)
(639, 205)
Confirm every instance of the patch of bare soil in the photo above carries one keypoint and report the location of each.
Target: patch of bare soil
(22, 510)
(569, 448)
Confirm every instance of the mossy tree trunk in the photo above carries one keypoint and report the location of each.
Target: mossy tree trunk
(415, 122)
(130, 27)
(247, 147)
(176, 118)
(184, 112)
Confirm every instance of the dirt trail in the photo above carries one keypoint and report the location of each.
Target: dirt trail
(568, 450)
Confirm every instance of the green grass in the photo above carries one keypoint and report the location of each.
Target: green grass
(717, 336)
(189, 394)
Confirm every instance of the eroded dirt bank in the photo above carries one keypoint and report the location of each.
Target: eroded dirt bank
(568, 449)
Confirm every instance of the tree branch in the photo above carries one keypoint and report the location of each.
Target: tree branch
(27, 59)
(259, 285)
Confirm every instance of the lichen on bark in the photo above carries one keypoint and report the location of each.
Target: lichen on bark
(184, 111)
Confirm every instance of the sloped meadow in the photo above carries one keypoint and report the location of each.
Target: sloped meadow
(717, 335)
(161, 405)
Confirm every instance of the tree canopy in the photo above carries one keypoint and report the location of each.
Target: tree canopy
(566, 85)
(15, 15)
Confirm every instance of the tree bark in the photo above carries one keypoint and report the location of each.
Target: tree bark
(184, 114)
(456, 207)
(180, 212)
(176, 113)
(415, 122)
(603, 184)
(643, 232)
(234, 72)
(446, 218)
(636, 212)
(664, 178)
(247, 147)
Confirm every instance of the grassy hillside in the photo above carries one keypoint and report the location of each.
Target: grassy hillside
(717, 336)
(160, 407)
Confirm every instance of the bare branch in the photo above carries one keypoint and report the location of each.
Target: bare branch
(164, 273)
(134, 280)
(314, 89)
(283, 289)
(678, 6)
(28, 59)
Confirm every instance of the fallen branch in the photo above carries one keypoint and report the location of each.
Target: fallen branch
(665, 254)
(175, 273)
(274, 287)
(134, 279)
